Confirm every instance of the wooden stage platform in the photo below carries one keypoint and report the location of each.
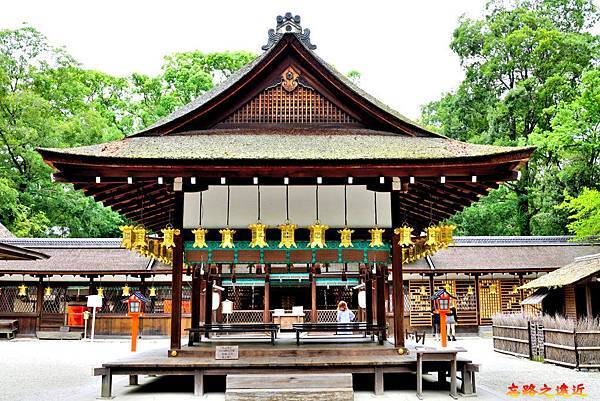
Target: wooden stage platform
(287, 358)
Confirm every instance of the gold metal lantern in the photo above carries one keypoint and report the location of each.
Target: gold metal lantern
(346, 238)
(404, 236)
(127, 234)
(126, 290)
(200, 237)
(100, 292)
(227, 238)
(47, 291)
(288, 234)
(376, 237)
(22, 290)
(152, 291)
(140, 242)
(259, 235)
(432, 237)
(169, 234)
(317, 235)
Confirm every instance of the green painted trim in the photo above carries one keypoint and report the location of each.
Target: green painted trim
(360, 245)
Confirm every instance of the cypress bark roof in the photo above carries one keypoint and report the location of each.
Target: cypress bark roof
(578, 270)
(287, 144)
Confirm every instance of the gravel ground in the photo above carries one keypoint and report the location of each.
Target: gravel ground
(61, 370)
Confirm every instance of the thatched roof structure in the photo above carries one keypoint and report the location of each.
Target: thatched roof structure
(580, 269)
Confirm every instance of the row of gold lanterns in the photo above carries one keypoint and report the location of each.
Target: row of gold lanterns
(415, 248)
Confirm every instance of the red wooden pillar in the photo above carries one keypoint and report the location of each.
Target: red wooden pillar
(177, 275)
(398, 286)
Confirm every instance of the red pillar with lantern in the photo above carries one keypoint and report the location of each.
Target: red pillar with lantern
(442, 306)
(135, 309)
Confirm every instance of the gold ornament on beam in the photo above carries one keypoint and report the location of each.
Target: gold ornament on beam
(404, 234)
(47, 291)
(200, 237)
(152, 291)
(317, 235)
(100, 292)
(288, 234)
(346, 238)
(127, 233)
(227, 238)
(169, 234)
(376, 237)
(259, 235)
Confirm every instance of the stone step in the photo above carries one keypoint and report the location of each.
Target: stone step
(59, 335)
(289, 387)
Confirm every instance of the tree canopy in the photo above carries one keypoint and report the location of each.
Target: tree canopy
(531, 77)
(47, 99)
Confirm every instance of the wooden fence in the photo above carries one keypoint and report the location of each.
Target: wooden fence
(571, 348)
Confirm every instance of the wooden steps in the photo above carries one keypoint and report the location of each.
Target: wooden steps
(302, 351)
(289, 387)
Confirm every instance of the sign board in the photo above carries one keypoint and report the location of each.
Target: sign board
(227, 307)
(94, 301)
(227, 352)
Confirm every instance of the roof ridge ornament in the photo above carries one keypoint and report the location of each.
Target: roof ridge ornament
(289, 24)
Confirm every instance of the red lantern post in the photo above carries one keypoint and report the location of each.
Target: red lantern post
(134, 311)
(442, 304)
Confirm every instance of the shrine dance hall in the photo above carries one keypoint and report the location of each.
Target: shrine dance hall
(283, 191)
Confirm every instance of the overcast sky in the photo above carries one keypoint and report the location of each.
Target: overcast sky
(401, 48)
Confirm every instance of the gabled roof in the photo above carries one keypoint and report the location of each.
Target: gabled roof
(288, 47)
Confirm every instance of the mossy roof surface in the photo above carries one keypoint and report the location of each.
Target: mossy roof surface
(290, 144)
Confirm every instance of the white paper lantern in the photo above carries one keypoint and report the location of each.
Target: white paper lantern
(216, 300)
(362, 299)
(227, 307)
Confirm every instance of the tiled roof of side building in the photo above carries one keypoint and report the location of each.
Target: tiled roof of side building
(79, 256)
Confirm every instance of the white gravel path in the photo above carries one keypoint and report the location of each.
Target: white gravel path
(62, 370)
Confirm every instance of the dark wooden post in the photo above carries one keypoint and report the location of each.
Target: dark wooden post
(142, 291)
(588, 299)
(477, 306)
(314, 315)
(398, 286)
(177, 275)
(195, 297)
(381, 298)
(39, 302)
(267, 296)
(208, 298)
(202, 300)
(369, 294)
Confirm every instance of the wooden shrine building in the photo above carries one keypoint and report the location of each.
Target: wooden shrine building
(286, 141)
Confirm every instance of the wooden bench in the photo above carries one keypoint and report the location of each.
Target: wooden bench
(8, 328)
(365, 328)
(468, 387)
(291, 387)
(207, 329)
(416, 335)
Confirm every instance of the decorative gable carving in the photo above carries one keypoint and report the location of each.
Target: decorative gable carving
(289, 102)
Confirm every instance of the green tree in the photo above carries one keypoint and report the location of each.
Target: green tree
(48, 100)
(585, 213)
(523, 60)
